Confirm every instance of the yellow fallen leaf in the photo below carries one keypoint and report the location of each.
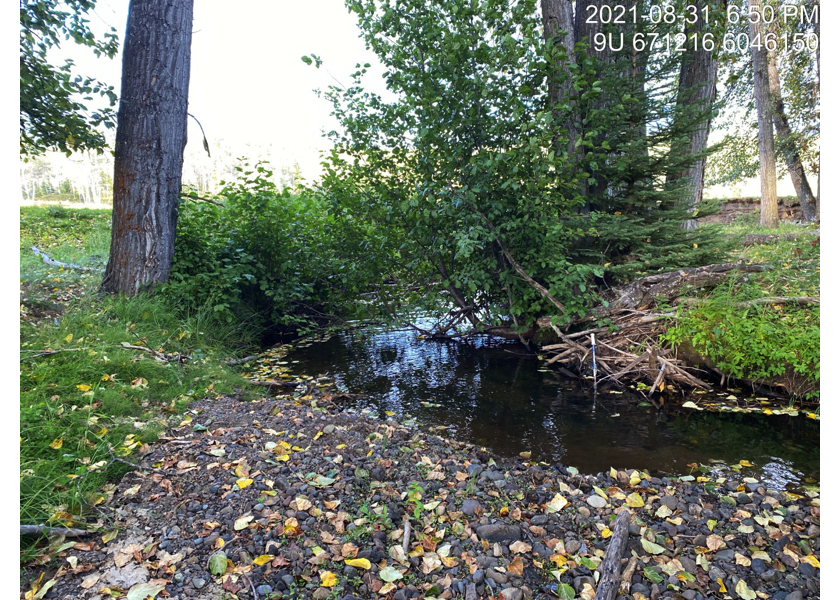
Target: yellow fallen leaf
(242, 522)
(109, 536)
(244, 482)
(605, 532)
(328, 579)
(516, 566)
(722, 587)
(83, 387)
(57, 443)
(262, 559)
(69, 338)
(635, 500)
(811, 560)
(359, 563)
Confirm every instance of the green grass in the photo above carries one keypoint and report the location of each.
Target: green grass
(94, 398)
(778, 341)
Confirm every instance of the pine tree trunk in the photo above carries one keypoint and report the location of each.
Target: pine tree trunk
(698, 76)
(787, 143)
(149, 152)
(764, 108)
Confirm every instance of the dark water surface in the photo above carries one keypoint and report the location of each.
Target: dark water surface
(493, 393)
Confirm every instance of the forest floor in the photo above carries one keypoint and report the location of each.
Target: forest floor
(297, 496)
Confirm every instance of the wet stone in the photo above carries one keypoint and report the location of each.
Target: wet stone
(198, 582)
(744, 498)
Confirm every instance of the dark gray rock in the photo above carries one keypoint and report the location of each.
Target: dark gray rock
(512, 594)
(499, 532)
(469, 506)
(669, 501)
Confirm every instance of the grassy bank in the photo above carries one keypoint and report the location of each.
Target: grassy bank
(99, 376)
(748, 337)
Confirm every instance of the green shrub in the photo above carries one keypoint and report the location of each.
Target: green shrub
(264, 253)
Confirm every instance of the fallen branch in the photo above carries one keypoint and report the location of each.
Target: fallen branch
(44, 530)
(39, 353)
(46, 258)
(280, 384)
(608, 585)
(756, 301)
(627, 576)
(144, 349)
(240, 361)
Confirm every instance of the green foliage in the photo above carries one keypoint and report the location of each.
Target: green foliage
(264, 252)
(469, 169)
(53, 114)
(88, 390)
(761, 341)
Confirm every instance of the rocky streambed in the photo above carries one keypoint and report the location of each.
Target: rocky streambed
(301, 498)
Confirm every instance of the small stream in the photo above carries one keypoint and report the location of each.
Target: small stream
(495, 394)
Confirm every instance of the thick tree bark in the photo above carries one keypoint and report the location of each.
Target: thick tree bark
(698, 76)
(558, 30)
(787, 143)
(766, 150)
(149, 152)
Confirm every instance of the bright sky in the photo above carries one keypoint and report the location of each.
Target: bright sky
(248, 84)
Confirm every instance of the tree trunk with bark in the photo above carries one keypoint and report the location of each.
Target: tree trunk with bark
(764, 108)
(149, 151)
(698, 76)
(787, 143)
(558, 30)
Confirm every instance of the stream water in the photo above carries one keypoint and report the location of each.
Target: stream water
(495, 394)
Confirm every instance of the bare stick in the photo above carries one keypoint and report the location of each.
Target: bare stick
(627, 576)
(44, 530)
(253, 589)
(406, 533)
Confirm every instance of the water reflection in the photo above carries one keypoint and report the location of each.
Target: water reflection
(490, 392)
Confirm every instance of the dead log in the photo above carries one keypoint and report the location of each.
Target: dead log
(643, 292)
(240, 361)
(754, 239)
(50, 261)
(757, 301)
(611, 565)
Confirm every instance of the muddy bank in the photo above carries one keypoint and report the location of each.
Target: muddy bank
(302, 498)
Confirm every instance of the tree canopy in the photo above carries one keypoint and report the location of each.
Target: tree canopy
(53, 100)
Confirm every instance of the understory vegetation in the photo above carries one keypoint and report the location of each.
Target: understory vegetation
(743, 331)
(99, 375)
